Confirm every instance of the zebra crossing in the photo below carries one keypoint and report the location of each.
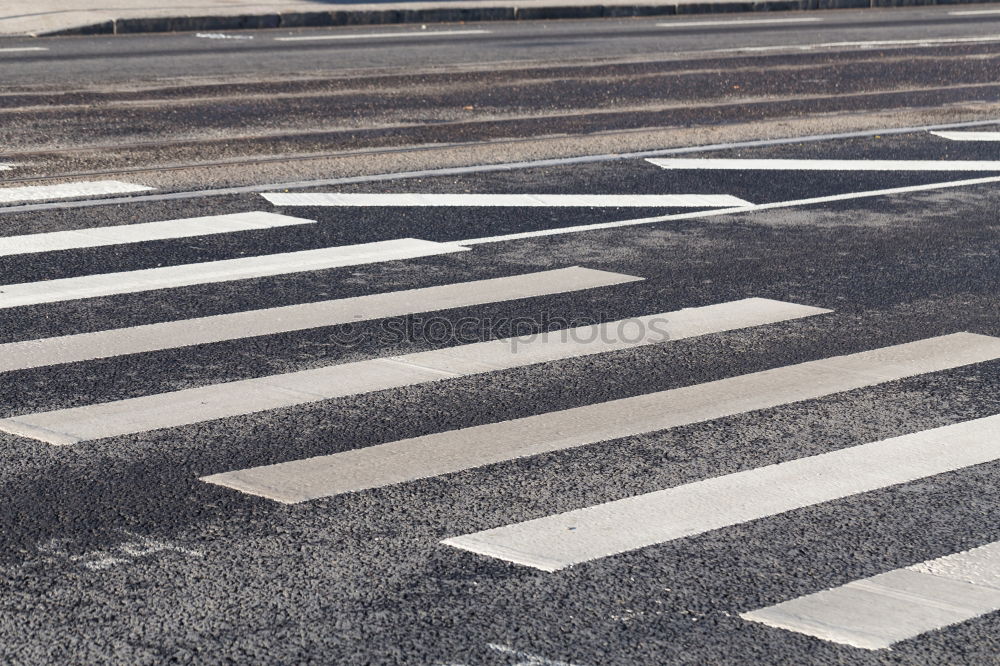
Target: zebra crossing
(559, 541)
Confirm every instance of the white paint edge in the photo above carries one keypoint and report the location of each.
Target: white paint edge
(384, 35)
(737, 22)
(149, 231)
(205, 330)
(861, 45)
(525, 200)
(592, 533)
(824, 165)
(68, 190)
(969, 136)
(239, 398)
(878, 612)
(974, 12)
(467, 448)
(19, 49)
(170, 277)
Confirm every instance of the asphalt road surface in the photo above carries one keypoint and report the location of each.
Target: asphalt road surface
(566, 343)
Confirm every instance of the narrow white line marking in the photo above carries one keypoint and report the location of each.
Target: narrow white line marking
(732, 211)
(862, 45)
(969, 136)
(691, 24)
(529, 200)
(137, 233)
(874, 613)
(205, 330)
(69, 426)
(595, 532)
(6, 167)
(19, 49)
(976, 12)
(384, 35)
(221, 35)
(826, 165)
(68, 190)
(525, 658)
(168, 277)
(457, 450)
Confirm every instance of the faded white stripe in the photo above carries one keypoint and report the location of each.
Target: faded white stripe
(383, 35)
(969, 136)
(6, 167)
(974, 12)
(595, 532)
(551, 200)
(106, 284)
(457, 450)
(692, 24)
(69, 426)
(137, 233)
(825, 165)
(170, 335)
(862, 45)
(874, 613)
(68, 191)
(18, 49)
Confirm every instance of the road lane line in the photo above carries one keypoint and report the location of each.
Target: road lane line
(691, 24)
(169, 277)
(528, 200)
(68, 190)
(18, 49)
(974, 12)
(457, 450)
(863, 45)
(565, 539)
(68, 426)
(6, 167)
(969, 136)
(137, 233)
(731, 211)
(384, 35)
(825, 165)
(218, 328)
(875, 613)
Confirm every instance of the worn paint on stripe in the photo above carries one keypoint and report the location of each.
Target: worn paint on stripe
(457, 450)
(18, 49)
(969, 136)
(974, 12)
(68, 190)
(527, 200)
(595, 532)
(218, 328)
(137, 233)
(709, 24)
(69, 426)
(106, 284)
(6, 167)
(862, 45)
(730, 211)
(875, 613)
(826, 165)
(383, 35)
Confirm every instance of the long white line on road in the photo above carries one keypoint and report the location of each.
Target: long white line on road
(562, 540)
(457, 450)
(874, 613)
(732, 211)
(384, 35)
(18, 49)
(137, 233)
(862, 45)
(527, 200)
(240, 325)
(825, 165)
(68, 190)
(168, 277)
(974, 12)
(969, 136)
(6, 167)
(692, 24)
(69, 426)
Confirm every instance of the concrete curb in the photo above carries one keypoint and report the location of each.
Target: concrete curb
(344, 17)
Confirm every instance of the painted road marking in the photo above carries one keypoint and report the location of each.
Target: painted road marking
(68, 190)
(826, 165)
(169, 277)
(732, 211)
(976, 12)
(384, 35)
(18, 49)
(6, 167)
(874, 613)
(135, 415)
(554, 200)
(691, 24)
(562, 540)
(457, 450)
(969, 136)
(205, 330)
(137, 233)
(862, 45)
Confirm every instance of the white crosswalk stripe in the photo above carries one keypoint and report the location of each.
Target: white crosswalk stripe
(458, 450)
(69, 426)
(524, 200)
(68, 191)
(562, 540)
(167, 277)
(137, 233)
(218, 328)
(877, 612)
